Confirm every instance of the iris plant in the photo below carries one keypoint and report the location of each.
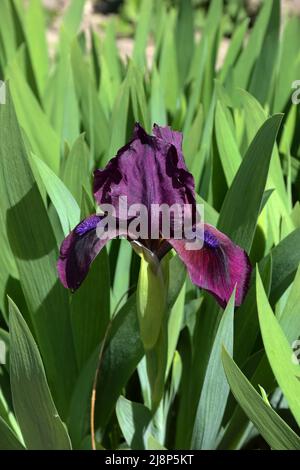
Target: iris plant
(150, 170)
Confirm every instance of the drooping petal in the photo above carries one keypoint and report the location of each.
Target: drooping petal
(218, 266)
(80, 248)
(148, 170)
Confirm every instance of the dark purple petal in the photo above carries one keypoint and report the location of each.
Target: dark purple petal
(218, 266)
(79, 249)
(171, 137)
(148, 170)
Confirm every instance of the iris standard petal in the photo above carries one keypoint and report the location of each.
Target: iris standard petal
(175, 138)
(218, 266)
(80, 248)
(148, 170)
(172, 137)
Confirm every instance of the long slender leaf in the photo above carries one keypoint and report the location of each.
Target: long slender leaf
(40, 423)
(276, 432)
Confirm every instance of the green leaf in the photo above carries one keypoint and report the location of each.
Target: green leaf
(35, 30)
(89, 328)
(138, 97)
(93, 115)
(153, 444)
(174, 326)
(73, 17)
(141, 35)
(199, 61)
(246, 322)
(278, 205)
(34, 247)
(215, 388)
(8, 440)
(210, 214)
(177, 276)
(151, 301)
(288, 64)
(290, 318)
(241, 208)
(168, 66)
(125, 349)
(156, 362)
(264, 395)
(273, 429)
(42, 137)
(78, 422)
(6, 406)
(9, 40)
(249, 55)
(235, 46)
(60, 101)
(211, 35)
(111, 58)
(130, 106)
(77, 168)
(256, 116)
(192, 138)
(184, 38)
(7, 264)
(63, 201)
(133, 418)
(119, 119)
(228, 148)
(107, 91)
(121, 275)
(202, 158)
(261, 79)
(121, 357)
(279, 351)
(286, 259)
(39, 421)
(160, 357)
(90, 309)
(157, 105)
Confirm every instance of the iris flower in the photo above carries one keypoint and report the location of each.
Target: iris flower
(151, 170)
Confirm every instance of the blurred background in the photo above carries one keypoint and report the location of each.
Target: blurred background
(99, 12)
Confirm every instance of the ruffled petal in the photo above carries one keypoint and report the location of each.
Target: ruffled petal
(172, 137)
(148, 170)
(218, 266)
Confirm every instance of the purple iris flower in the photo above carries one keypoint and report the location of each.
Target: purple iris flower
(151, 170)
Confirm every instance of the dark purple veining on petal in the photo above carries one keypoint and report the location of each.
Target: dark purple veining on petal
(218, 266)
(210, 239)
